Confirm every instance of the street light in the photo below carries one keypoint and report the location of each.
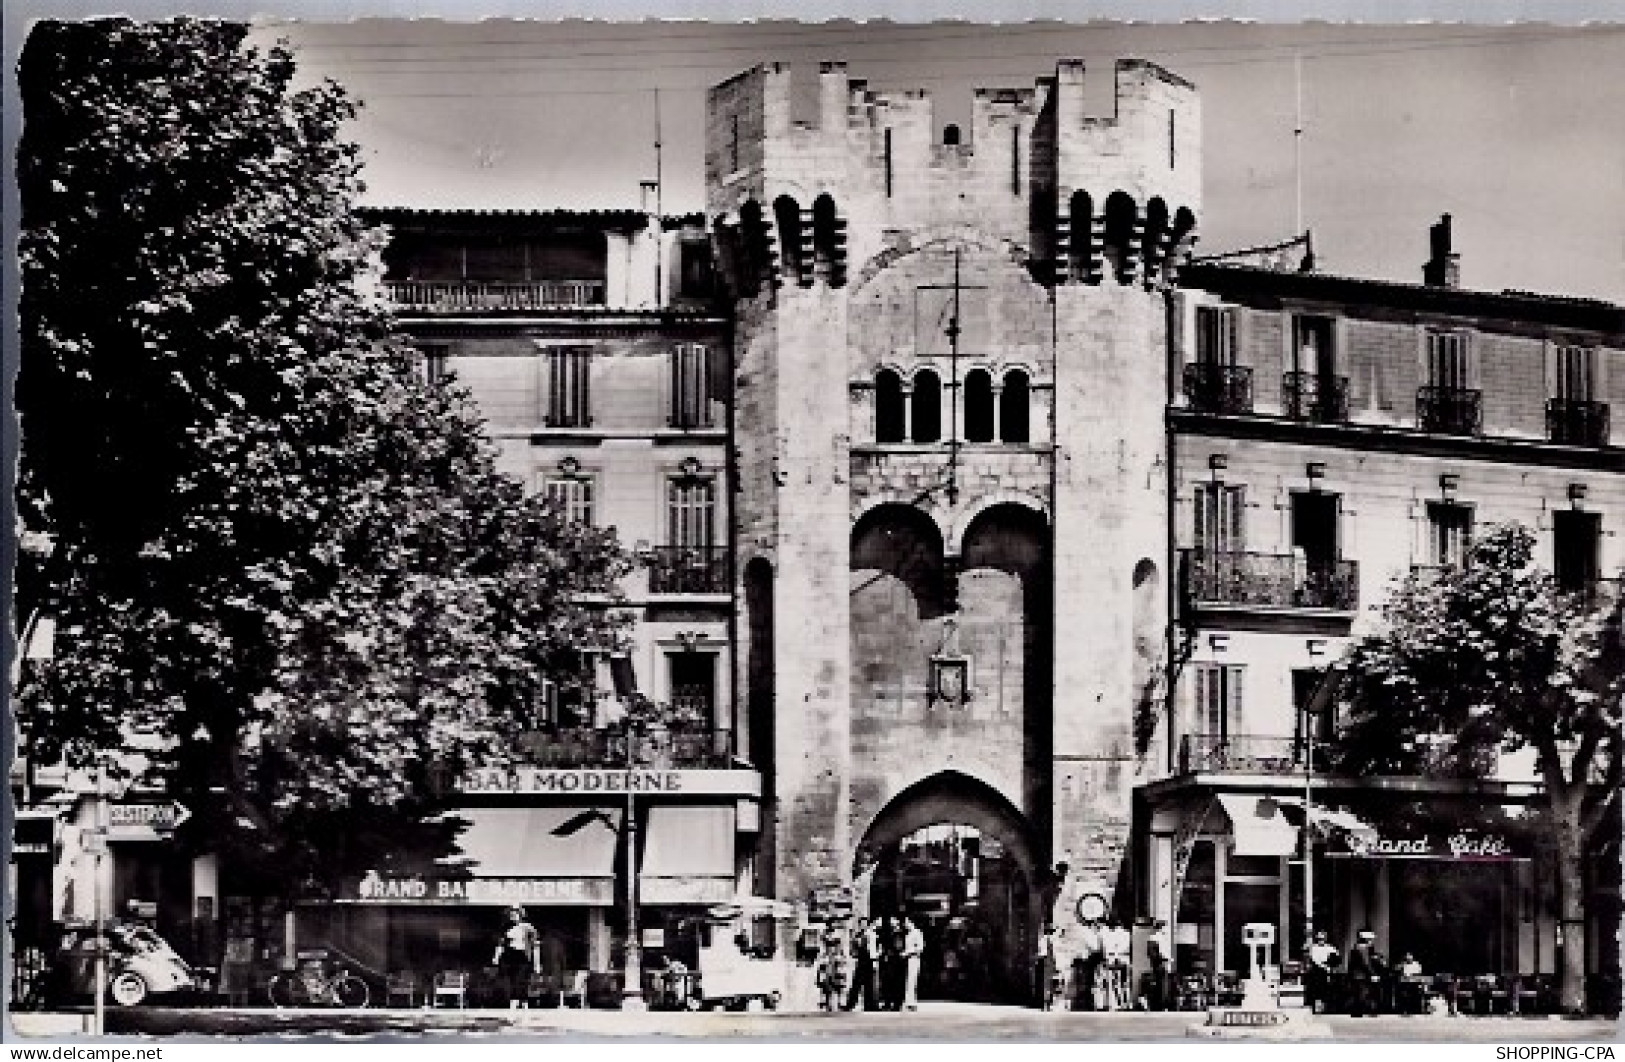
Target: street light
(632, 964)
(1318, 705)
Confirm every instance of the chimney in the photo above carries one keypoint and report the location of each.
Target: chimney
(1443, 269)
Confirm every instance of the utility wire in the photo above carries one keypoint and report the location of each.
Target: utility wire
(874, 82)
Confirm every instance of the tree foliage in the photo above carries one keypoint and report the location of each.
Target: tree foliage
(284, 566)
(1491, 658)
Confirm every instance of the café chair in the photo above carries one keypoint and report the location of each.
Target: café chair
(1493, 995)
(400, 985)
(545, 989)
(451, 984)
(575, 989)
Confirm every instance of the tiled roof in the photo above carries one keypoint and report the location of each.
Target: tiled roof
(1557, 310)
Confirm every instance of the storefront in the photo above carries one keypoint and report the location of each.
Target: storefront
(563, 863)
(1462, 899)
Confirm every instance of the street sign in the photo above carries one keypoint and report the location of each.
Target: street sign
(829, 904)
(160, 818)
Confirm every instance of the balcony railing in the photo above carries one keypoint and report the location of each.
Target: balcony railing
(1315, 398)
(688, 570)
(1577, 422)
(493, 295)
(574, 747)
(1214, 388)
(1244, 753)
(1271, 580)
(1450, 410)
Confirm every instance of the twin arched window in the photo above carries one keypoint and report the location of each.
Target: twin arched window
(917, 416)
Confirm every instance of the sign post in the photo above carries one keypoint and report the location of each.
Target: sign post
(99, 816)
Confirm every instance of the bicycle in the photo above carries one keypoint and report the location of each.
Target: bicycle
(314, 987)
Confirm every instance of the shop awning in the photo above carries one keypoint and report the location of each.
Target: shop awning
(538, 842)
(1328, 820)
(1258, 826)
(688, 855)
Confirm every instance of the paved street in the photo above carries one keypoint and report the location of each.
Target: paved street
(934, 1021)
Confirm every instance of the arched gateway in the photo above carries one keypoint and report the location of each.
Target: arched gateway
(955, 856)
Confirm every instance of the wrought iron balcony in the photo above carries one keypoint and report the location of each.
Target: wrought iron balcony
(1270, 580)
(1244, 753)
(688, 570)
(573, 747)
(1450, 410)
(466, 295)
(1315, 398)
(1213, 388)
(1577, 422)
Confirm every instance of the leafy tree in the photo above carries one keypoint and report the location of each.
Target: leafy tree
(285, 568)
(1488, 658)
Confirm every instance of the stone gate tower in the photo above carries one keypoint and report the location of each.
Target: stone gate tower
(951, 370)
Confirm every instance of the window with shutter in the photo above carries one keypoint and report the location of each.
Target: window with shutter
(1575, 378)
(1220, 518)
(1450, 532)
(1216, 335)
(690, 386)
(569, 397)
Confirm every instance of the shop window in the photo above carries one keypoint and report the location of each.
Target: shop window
(1450, 532)
(978, 406)
(890, 415)
(574, 497)
(690, 386)
(569, 387)
(927, 406)
(1576, 537)
(1013, 407)
(1220, 510)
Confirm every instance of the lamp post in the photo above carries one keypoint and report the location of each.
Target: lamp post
(632, 967)
(99, 919)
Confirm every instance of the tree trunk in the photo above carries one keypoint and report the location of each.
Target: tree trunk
(1571, 906)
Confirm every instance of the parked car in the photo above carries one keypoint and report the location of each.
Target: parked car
(140, 966)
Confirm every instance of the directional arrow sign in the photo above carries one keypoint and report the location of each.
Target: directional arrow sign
(161, 818)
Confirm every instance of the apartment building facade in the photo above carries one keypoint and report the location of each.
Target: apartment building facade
(591, 344)
(1328, 437)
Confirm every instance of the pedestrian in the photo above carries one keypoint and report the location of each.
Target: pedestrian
(515, 956)
(891, 963)
(1091, 957)
(912, 951)
(832, 969)
(1323, 958)
(1044, 969)
(862, 991)
(1157, 950)
(1365, 975)
(1116, 944)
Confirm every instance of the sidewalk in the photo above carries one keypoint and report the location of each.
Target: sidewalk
(934, 1021)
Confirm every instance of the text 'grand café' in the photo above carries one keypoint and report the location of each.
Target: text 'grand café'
(983, 531)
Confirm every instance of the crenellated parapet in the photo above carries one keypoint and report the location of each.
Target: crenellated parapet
(1095, 198)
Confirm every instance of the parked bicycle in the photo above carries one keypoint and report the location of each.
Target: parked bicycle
(313, 985)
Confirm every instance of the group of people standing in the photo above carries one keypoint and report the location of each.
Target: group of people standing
(1373, 984)
(874, 965)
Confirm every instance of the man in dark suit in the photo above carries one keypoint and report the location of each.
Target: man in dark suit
(1366, 968)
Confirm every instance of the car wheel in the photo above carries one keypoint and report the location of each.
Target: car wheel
(128, 989)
